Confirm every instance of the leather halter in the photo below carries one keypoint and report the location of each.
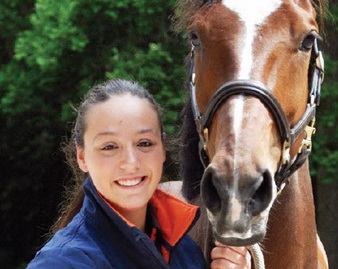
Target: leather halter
(254, 88)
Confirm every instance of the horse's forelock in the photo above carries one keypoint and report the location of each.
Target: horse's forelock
(185, 9)
(191, 167)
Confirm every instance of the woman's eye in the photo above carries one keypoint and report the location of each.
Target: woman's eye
(145, 144)
(108, 147)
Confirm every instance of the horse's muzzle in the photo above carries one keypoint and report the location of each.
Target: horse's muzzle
(237, 210)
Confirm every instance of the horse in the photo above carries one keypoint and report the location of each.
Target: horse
(255, 73)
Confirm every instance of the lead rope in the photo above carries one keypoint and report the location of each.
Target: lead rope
(257, 256)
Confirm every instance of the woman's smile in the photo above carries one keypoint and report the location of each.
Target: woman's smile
(130, 182)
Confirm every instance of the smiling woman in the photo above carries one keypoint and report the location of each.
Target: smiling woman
(118, 218)
(124, 154)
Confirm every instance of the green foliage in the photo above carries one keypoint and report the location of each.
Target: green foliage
(155, 68)
(334, 16)
(53, 52)
(325, 155)
(325, 150)
(53, 33)
(13, 18)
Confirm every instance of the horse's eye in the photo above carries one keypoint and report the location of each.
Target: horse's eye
(194, 39)
(308, 41)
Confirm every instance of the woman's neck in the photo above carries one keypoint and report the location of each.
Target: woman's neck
(136, 217)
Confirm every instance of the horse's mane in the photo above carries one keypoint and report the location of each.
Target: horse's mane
(191, 166)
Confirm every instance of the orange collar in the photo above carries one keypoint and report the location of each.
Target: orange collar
(174, 216)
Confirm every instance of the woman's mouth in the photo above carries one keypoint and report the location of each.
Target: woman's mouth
(130, 182)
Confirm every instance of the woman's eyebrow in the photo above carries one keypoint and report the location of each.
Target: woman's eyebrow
(107, 133)
(147, 130)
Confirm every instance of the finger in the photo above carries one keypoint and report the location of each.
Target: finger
(241, 250)
(222, 263)
(248, 259)
(228, 254)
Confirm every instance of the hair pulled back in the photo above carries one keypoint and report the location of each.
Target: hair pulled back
(96, 95)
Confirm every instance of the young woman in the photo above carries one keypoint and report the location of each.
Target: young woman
(119, 219)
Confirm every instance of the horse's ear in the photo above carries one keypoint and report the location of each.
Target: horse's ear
(191, 166)
(305, 4)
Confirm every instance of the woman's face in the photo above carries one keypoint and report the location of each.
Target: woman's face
(123, 151)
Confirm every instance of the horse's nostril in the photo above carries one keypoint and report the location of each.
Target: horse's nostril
(262, 196)
(209, 193)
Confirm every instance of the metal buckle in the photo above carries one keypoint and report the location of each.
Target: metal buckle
(309, 131)
(286, 152)
(280, 189)
(206, 138)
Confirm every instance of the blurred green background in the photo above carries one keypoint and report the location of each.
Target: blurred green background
(52, 52)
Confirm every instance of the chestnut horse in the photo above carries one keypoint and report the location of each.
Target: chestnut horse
(254, 77)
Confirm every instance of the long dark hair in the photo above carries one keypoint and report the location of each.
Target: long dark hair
(74, 193)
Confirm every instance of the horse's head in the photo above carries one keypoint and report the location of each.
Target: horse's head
(250, 71)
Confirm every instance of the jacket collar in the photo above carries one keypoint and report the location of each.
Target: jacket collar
(175, 217)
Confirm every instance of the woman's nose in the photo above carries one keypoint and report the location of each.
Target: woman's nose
(129, 159)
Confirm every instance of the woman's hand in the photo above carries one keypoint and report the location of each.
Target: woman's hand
(225, 257)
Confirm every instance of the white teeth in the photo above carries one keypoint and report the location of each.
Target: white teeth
(131, 182)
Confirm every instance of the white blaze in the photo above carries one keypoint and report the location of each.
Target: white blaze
(236, 209)
(238, 119)
(252, 14)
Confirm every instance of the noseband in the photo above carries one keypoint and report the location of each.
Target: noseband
(253, 88)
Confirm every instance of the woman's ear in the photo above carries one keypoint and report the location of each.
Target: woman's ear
(80, 156)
